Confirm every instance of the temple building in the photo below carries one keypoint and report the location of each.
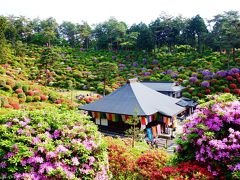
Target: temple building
(157, 112)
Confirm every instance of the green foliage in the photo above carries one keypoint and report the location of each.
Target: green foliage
(105, 71)
(29, 98)
(3, 24)
(127, 162)
(18, 85)
(205, 138)
(25, 88)
(51, 136)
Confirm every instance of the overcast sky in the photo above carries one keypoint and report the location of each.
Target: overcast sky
(129, 11)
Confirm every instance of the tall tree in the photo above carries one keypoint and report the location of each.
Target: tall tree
(130, 41)
(226, 32)
(85, 32)
(3, 25)
(105, 71)
(68, 32)
(144, 38)
(11, 31)
(23, 28)
(49, 30)
(196, 32)
(110, 34)
(167, 30)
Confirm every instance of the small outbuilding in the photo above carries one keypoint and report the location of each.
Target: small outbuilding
(172, 89)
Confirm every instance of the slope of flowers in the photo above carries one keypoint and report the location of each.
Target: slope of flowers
(184, 170)
(212, 137)
(126, 162)
(50, 144)
(203, 74)
(205, 82)
(23, 94)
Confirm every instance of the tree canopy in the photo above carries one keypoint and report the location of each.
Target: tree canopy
(221, 32)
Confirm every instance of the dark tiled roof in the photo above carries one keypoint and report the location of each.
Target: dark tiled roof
(132, 96)
(186, 102)
(163, 86)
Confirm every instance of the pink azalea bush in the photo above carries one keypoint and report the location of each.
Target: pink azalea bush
(212, 136)
(50, 144)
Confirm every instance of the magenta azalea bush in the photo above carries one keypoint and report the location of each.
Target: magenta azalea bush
(212, 136)
(50, 144)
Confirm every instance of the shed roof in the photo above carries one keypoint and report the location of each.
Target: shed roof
(186, 102)
(164, 86)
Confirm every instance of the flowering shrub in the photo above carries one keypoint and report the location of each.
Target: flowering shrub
(193, 79)
(184, 170)
(121, 162)
(229, 78)
(212, 136)
(43, 97)
(233, 86)
(50, 144)
(86, 99)
(127, 162)
(205, 84)
(19, 90)
(151, 161)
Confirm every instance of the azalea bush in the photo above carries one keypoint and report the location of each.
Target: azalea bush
(212, 136)
(139, 162)
(50, 144)
(122, 159)
(121, 162)
(184, 170)
(150, 162)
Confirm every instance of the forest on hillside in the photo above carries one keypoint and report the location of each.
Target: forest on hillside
(201, 55)
(220, 33)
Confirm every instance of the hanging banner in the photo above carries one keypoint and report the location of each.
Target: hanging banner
(144, 121)
(96, 115)
(149, 118)
(143, 127)
(126, 117)
(149, 133)
(159, 129)
(154, 131)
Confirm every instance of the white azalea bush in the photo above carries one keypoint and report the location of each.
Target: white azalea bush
(51, 144)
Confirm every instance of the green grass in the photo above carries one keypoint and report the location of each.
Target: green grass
(139, 148)
(73, 93)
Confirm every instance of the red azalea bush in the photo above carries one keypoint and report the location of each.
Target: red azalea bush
(236, 91)
(7, 106)
(126, 162)
(120, 161)
(207, 91)
(15, 106)
(19, 90)
(30, 93)
(233, 86)
(227, 90)
(184, 170)
(43, 97)
(151, 162)
(229, 78)
(58, 101)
